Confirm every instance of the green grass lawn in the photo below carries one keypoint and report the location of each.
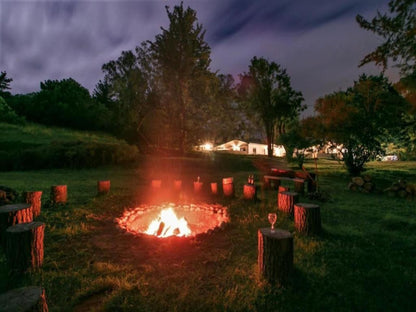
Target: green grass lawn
(363, 261)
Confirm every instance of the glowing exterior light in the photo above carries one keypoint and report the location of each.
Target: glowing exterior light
(207, 146)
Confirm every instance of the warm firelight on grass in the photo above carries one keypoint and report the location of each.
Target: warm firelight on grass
(167, 224)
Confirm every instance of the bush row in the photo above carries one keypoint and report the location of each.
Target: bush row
(67, 155)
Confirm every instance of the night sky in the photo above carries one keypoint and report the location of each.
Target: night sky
(317, 41)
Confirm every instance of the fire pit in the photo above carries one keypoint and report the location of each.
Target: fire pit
(166, 220)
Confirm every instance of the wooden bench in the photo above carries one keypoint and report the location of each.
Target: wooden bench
(299, 183)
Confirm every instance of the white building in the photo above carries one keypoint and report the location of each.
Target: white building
(250, 148)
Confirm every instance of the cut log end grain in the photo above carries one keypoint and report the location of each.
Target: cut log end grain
(25, 299)
(24, 246)
(275, 255)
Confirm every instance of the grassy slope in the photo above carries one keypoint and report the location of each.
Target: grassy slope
(364, 260)
(31, 135)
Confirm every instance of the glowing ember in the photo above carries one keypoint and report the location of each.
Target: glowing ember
(166, 220)
(168, 224)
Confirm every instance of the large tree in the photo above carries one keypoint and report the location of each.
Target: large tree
(361, 118)
(181, 59)
(4, 84)
(398, 30)
(128, 91)
(268, 95)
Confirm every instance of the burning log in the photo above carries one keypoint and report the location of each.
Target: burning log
(103, 187)
(228, 187)
(401, 189)
(307, 218)
(275, 255)
(24, 299)
(361, 184)
(286, 201)
(12, 215)
(59, 194)
(24, 246)
(34, 199)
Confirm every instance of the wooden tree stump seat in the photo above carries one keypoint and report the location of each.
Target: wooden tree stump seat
(299, 186)
(307, 218)
(13, 214)
(286, 201)
(103, 187)
(35, 199)
(214, 188)
(24, 246)
(275, 255)
(228, 187)
(250, 192)
(59, 194)
(25, 299)
(283, 189)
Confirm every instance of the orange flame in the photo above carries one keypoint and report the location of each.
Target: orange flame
(168, 224)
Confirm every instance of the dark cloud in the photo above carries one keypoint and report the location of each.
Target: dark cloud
(318, 42)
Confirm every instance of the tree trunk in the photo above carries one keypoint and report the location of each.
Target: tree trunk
(275, 255)
(103, 187)
(24, 246)
(307, 218)
(35, 199)
(59, 194)
(228, 187)
(250, 192)
(25, 299)
(11, 215)
(286, 201)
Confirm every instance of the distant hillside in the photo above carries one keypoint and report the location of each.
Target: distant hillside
(33, 146)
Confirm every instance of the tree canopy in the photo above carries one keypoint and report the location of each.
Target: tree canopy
(268, 95)
(360, 118)
(398, 30)
(4, 84)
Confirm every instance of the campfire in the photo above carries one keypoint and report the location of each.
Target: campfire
(168, 224)
(173, 220)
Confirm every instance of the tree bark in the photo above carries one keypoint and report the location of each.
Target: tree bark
(275, 255)
(12, 215)
(25, 299)
(24, 246)
(286, 201)
(59, 194)
(35, 199)
(228, 187)
(103, 187)
(307, 218)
